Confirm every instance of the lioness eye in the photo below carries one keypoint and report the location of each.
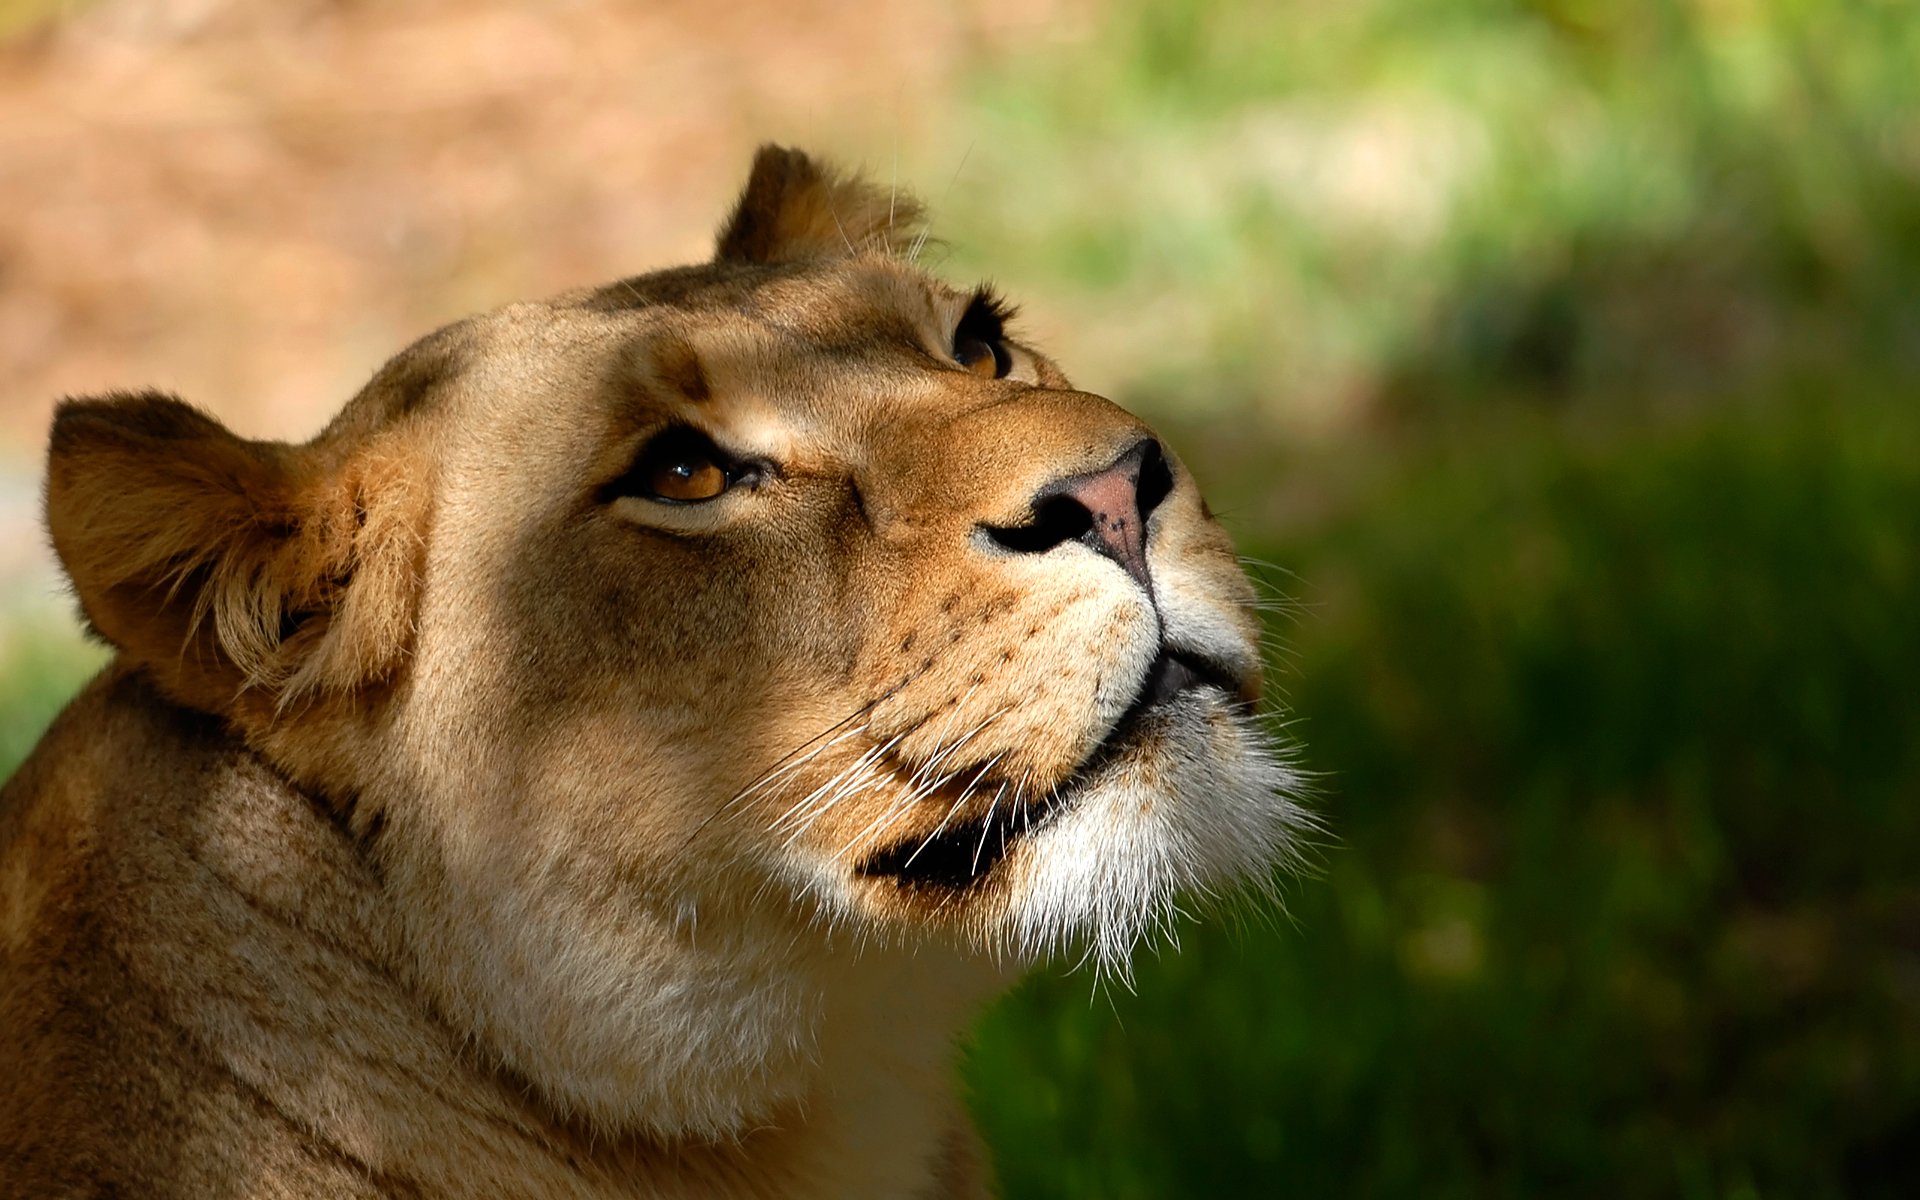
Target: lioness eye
(979, 340)
(984, 358)
(680, 466)
(687, 479)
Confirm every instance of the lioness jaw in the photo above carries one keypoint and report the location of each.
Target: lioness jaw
(622, 749)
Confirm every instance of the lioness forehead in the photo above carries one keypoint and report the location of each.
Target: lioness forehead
(668, 326)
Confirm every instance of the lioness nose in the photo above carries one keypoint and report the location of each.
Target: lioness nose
(1105, 509)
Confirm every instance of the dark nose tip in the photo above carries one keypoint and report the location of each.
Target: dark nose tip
(1105, 509)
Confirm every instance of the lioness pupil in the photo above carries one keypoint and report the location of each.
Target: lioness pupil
(689, 479)
(979, 356)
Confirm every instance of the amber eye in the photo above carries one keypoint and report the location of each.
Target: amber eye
(984, 358)
(979, 338)
(680, 466)
(687, 479)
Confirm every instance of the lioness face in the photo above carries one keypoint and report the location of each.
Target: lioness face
(809, 567)
(656, 637)
(973, 649)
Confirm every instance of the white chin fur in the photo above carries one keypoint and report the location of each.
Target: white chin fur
(1206, 801)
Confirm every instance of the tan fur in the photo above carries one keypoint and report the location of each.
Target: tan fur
(456, 821)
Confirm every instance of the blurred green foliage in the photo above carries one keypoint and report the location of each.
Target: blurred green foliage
(1306, 207)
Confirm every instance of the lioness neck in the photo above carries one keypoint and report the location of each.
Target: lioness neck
(211, 985)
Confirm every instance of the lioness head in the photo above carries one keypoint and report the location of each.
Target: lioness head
(672, 645)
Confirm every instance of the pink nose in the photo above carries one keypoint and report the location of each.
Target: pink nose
(1105, 509)
(1113, 499)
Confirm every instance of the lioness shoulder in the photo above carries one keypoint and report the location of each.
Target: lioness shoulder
(620, 752)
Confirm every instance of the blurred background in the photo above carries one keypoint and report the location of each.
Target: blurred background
(1556, 360)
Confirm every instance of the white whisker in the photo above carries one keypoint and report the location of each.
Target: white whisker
(826, 795)
(777, 773)
(986, 827)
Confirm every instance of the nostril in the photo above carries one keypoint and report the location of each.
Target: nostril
(1156, 478)
(1056, 519)
(1106, 510)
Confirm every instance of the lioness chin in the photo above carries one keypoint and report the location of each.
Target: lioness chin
(618, 754)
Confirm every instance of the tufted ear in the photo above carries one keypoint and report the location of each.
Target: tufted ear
(242, 574)
(795, 208)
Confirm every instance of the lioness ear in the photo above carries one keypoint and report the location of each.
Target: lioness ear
(795, 208)
(241, 574)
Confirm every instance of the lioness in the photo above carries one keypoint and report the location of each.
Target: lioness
(618, 754)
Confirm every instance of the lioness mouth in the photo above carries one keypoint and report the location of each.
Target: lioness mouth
(962, 854)
(1173, 672)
